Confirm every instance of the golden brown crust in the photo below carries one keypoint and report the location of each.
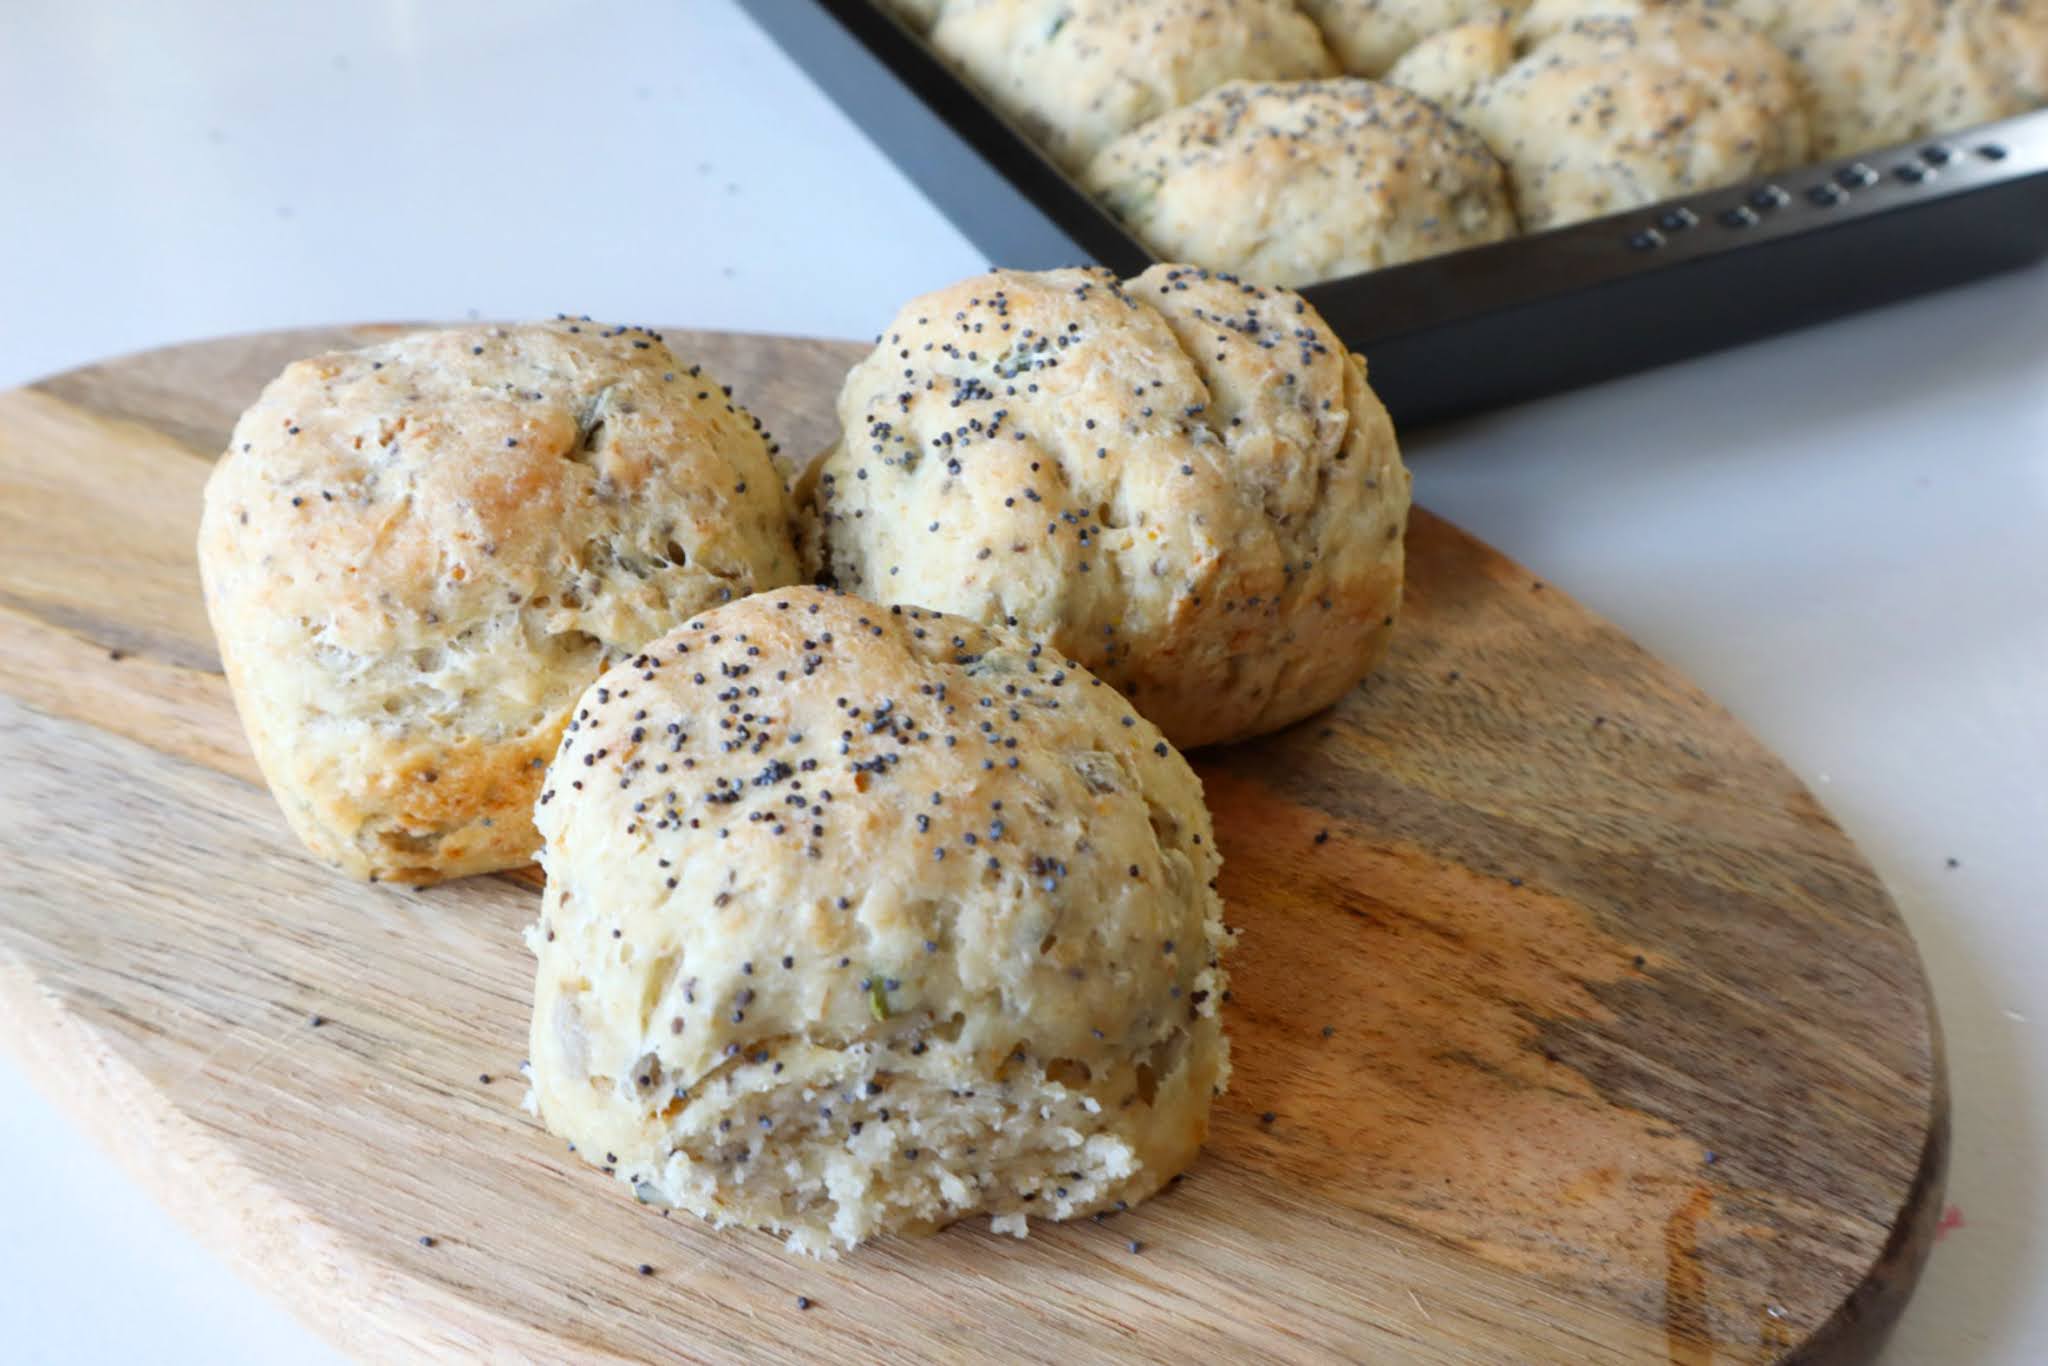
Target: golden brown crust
(416, 555)
(1184, 482)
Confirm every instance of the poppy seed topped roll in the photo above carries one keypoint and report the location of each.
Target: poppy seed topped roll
(417, 556)
(1595, 112)
(1294, 182)
(1876, 74)
(1369, 36)
(1076, 73)
(864, 920)
(1183, 481)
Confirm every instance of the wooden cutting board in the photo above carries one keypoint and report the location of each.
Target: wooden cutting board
(1568, 1027)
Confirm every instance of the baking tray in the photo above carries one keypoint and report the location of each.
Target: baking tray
(1490, 326)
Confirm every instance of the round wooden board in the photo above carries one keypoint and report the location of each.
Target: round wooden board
(1568, 1026)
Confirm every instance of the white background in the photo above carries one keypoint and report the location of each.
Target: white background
(1843, 535)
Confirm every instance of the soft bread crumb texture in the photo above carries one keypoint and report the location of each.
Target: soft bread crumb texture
(1299, 181)
(1183, 481)
(417, 555)
(863, 920)
(1074, 74)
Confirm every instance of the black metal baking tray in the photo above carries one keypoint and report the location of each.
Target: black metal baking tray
(1489, 326)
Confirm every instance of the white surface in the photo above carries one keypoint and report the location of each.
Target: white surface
(1842, 535)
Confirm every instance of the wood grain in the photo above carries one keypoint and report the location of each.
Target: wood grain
(1568, 1027)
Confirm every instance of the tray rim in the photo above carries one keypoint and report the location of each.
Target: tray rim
(1963, 216)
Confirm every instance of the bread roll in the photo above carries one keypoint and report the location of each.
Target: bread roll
(417, 555)
(1076, 73)
(1451, 68)
(1881, 73)
(1601, 114)
(1877, 72)
(1182, 481)
(1301, 181)
(1369, 36)
(863, 920)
